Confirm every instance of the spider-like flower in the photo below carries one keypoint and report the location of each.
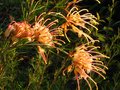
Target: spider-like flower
(19, 30)
(43, 33)
(77, 21)
(84, 61)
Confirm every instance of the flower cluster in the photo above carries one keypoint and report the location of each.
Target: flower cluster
(85, 60)
(38, 32)
(77, 21)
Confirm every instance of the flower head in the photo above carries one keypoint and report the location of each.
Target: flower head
(19, 30)
(77, 21)
(84, 61)
(43, 33)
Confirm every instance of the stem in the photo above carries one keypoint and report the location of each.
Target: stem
(42, 77)
(57, 74)
(78, 84)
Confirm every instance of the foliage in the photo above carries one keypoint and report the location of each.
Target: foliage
(52, 45)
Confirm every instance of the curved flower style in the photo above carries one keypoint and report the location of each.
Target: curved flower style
(77, 21)
(84, 61)
(19, 30)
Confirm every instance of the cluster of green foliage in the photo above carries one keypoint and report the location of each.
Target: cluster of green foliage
(21, 68)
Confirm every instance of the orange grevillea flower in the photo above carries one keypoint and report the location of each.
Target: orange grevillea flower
(77, 21)
(19, 30)
(84, 61)
(43, 33)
